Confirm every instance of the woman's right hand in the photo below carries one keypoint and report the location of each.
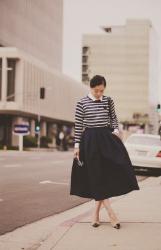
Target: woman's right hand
(76, 153)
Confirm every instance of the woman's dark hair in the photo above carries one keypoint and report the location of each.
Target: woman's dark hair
(97, 80)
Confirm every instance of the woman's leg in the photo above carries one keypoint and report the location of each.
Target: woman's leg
(113, 218)
(107, 205)
(96, 211)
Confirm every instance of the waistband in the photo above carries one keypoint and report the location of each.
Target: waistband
(99, 128)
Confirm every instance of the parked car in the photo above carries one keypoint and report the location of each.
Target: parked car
(144, 151)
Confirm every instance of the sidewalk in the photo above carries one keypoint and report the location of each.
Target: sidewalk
(139, 213)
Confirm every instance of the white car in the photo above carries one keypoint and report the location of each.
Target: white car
(144, 150)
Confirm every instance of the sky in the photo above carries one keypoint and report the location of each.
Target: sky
(88, 16)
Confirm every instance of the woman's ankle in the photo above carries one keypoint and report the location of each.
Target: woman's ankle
(95, 216)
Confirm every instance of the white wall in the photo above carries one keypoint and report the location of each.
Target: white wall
(62, 92)
(34, 26)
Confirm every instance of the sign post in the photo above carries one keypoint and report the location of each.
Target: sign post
(21, 130)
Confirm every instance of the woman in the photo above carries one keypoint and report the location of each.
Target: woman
(101, 166)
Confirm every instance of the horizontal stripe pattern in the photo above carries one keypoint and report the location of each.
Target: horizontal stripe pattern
(89, 113)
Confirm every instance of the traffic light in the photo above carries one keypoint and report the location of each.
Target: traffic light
(42, 93)
(158, 108)
(37, 126)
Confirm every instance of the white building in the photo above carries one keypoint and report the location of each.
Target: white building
(30, 68)
(127, 57)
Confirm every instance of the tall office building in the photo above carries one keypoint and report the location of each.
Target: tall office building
(32, 86)
(127, 57)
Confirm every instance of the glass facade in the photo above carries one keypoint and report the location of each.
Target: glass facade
(5, 130)
(0, 78)
(11, 74)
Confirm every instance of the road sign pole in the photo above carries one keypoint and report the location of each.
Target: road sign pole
(20, 142)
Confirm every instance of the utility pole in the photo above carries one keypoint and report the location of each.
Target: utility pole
(38, 141)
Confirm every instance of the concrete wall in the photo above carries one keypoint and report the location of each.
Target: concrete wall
(35, 27)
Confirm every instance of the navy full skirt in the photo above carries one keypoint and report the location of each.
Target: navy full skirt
(107, 170)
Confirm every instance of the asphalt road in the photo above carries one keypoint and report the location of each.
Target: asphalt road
(34, 185)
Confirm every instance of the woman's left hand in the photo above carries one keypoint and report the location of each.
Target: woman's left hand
(118, 135)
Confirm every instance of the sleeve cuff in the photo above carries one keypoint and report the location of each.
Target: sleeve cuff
(76, 145)
(116, 131)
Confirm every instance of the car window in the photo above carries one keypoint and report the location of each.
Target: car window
(144, 140)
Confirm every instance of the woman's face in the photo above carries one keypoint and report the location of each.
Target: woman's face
(98, 91)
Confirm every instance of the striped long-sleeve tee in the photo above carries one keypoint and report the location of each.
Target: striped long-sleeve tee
(94, 113)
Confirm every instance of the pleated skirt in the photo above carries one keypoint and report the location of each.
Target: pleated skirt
(106, 169)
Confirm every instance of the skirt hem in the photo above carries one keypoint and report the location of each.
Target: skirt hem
(105, 196)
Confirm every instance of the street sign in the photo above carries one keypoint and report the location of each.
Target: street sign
(21, 129)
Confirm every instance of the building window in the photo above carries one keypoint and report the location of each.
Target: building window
(85, 77)
(108, 29)
(84, 68)
(0, 78)
(85, 49)
(84, 59)
(11, 74)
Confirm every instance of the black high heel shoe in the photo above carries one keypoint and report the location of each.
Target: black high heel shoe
(95, 224)
(114, 221)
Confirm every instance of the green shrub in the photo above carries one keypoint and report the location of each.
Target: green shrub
(29, 141)
(8, 147)
(12, 147)
(44, 140)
